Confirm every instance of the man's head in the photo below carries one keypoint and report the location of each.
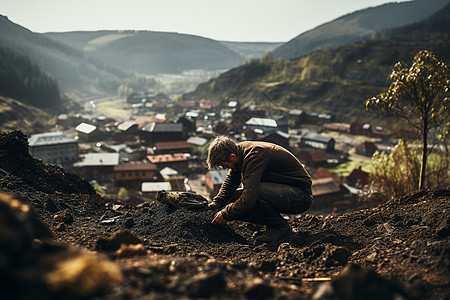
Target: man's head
(222, 152)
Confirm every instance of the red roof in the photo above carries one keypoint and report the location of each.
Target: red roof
(324, 173)
(141, 121)
(313, 156)
(163, 158)
(358, 174)
(324, 186)
(172, 145)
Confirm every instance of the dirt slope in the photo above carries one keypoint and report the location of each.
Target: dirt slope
(398, 249)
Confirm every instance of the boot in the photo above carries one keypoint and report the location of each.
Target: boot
(274, 234)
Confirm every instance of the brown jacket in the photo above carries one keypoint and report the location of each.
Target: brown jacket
(260, 162)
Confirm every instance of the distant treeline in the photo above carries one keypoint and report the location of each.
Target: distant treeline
(24, 81)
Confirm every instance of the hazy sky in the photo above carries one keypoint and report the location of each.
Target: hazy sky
(227, 20)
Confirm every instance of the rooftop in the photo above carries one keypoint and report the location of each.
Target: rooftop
(99, 159)
(49, 138)
(135, 167)
(85, 128)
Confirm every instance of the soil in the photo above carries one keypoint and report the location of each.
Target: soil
(398, 249)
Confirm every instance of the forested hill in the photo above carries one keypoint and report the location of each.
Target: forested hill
(336, 81)
(24, 81)
(359, 25)
(149, 52)
(73, 69)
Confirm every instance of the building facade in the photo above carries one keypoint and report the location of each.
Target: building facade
(54, 148)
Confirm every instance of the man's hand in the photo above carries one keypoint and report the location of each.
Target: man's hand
(219, 220)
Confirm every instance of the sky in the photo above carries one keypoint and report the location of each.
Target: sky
(223, 20)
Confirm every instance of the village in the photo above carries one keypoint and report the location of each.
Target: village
(131, 160)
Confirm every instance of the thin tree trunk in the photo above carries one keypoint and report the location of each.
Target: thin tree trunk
(423, 167)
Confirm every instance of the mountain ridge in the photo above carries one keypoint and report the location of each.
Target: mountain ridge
(152, 52)
(359, 25)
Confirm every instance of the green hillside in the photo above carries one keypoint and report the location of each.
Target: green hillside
(149, 52)
(359, 25)
(333, 81)
(76, 72)
(22, 80)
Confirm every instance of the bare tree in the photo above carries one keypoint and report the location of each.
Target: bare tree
(420, 95)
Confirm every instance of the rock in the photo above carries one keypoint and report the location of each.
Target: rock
(355, 283)
(267, 265)
(257, 288)
(131, 250)
(206, 284)
(120, 237)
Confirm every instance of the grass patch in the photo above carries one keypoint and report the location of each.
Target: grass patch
(346, 168)
(114, 110)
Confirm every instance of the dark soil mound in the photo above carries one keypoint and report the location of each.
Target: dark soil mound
(401, 247)
(21, 168)
(182, 229)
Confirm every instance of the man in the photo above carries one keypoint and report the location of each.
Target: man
(273, 182)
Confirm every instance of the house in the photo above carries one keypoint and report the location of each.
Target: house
(161, 132)
(277, 137)
(126, 131)
(213, 181)
(360, 128)
(317, 118)
(132, 175)
(314, 158)
(184, 106)
(87, 132)
(172, 147)
(197, 141)
(177, 181)
(188, 123)
(98, 166)
(296, 116)
(318, 141)
(326, 193)
(151, 189)
(54, 148)
(141, 121)
(336, 127)
(209, 106)
(261, 125)
(324, 173)
(366, 149)
(358, 178)
(177, 161)
(266, 125)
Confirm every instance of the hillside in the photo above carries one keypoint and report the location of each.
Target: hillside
(333, 81)
(359, 25)
(250, 50)
(398, 249)
(148, 52)
(15, 115)
(22, 80)
(76, 72)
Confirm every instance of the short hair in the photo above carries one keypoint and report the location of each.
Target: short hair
(219, 151)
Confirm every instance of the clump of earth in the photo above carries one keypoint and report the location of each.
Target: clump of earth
(62, 240)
